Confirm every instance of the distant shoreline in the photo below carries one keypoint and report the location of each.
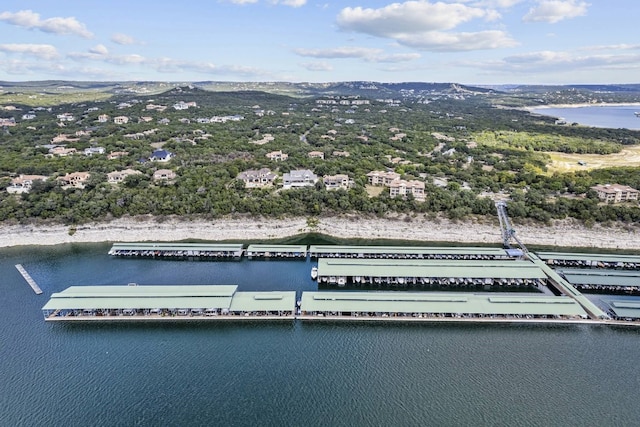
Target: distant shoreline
(582, 105)
(565, 233)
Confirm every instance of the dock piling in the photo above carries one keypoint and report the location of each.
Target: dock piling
(29, 279)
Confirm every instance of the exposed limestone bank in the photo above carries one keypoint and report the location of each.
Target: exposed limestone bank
(561, 233)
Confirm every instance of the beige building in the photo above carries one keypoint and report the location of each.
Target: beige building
(382, 178)
(277, 155)
(164, 175)
(23, 183)
(316, 155)
(257, 178)
(334, 182)
(117, 177)
(616, 193)
(403, 188)
(75, 179)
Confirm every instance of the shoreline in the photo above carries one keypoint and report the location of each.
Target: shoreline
(564, 233)
(582, 105)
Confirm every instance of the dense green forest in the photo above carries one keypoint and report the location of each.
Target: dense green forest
(467, 146)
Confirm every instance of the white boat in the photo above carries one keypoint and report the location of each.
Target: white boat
(314, 273)
(342, 281)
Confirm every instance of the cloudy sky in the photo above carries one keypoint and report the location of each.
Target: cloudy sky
(464, 41)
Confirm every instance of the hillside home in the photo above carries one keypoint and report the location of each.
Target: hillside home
(161, 156)
(103, 118)
(334, 182)
(121, 120)
(23, 183)
(277, 156)
(62, 151)
(117, 177)
(75, 179)
(116, 154)
(93, 150)
(257, 178)
(299, 178)
(316, 155)
(616, 193)
(403, 188)
(382, 178)
(164, 175)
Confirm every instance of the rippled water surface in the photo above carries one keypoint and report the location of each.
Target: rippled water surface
(290, 374)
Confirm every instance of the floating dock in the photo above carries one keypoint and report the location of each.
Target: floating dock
(29, 279)
(408, 252)
(95, 303)
(585, 260)
(276, 251)
(603, 280)
(177, 250)
(426, 273)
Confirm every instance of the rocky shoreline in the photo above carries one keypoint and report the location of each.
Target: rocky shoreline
(566, 233)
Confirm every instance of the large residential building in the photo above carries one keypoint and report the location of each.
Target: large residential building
(161, 156)
(75, 179)
(299, 178)
(382, 178)
(616, 193)
(334, 182)
(257, 178)
(277, 155)
(121, 120)
(403, 188)
(164, 175)
(316, 155)
(23, 183)
(117, 177)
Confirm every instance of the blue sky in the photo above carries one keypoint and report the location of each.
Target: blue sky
(463, 41)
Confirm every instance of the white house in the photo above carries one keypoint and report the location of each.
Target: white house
(299, 178)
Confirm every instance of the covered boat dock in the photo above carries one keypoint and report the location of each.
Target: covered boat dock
(164, 302)
(276, 251)
(177, 250)
(432, 306)
(407, 252)
(429, 272)
(586, 260)
(627, 310)
(603, 280)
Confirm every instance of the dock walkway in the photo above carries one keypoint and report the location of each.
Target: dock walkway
(29, 279)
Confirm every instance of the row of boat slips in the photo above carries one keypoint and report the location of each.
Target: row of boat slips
(435, 305)
(101, 303)
(404, 252)
(585, 260)
(179, 250)
(625, 310)
(603, 280)
(236, 250)
(428, 272)
(166, 302)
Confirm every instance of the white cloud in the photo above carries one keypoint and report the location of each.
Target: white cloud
(43, 51)
(559, 61)
(425, 25)
(365, 53)
(553, 11)
(31, 20)
(317, 66)
(99, 50)
(292, 3)
(123, 39)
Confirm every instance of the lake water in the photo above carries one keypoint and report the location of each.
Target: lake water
(290, 373)
(614, 117)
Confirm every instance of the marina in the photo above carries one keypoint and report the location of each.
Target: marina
(603, 281)
(586, 260)
(27, 277)
(148, 302)
(177, 250)
(276, 251)
(408, 252)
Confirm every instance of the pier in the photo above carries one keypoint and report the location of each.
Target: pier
(29, 279)
(177, 250)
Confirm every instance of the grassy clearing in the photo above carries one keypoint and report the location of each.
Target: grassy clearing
(43, 99)
(564, 162)
(374, 191)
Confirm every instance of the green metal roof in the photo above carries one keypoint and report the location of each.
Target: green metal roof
(144, 246)
(625, 308)
(333, 249)
(277, 248)
(428, 268)
(142, 297)
(588, 257)
(413, 302)
(264, 301)
(602, 277)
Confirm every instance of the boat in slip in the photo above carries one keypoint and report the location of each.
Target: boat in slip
(314, 273)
